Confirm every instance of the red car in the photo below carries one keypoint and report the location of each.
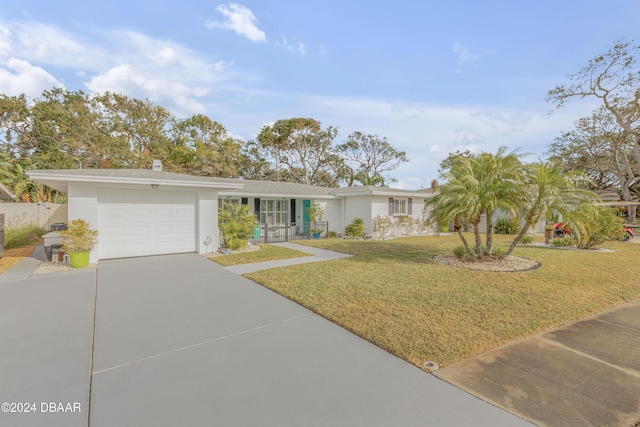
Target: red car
(561, 230)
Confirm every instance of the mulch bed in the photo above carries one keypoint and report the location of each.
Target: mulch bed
(509, 264)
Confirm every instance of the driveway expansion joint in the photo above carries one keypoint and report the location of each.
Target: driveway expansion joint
(588, 356)
(188, 347)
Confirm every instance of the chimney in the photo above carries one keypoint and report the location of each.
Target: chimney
(157, 165)
(434, 183)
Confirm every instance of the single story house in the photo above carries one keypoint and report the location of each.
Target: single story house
(150, 212)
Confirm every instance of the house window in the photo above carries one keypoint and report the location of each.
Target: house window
(222, 202)
(274, 211)
(399, 207)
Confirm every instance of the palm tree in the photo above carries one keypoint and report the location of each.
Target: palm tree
(550, 191)
(477, 185)
(363, 178)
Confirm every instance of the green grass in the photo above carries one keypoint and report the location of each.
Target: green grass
(392, 294)
(266, 253)
(22, 236)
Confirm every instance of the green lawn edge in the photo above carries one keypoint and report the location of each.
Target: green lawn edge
(266, 253)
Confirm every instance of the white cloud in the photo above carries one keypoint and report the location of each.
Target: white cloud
(116, 60)
(294, 46)
(164, 56)
(20, 76)
(465, 56)
(134, 82)
(408, 183)
(239, 19)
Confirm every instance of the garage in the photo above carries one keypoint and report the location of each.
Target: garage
(143, 222)
(142, 212)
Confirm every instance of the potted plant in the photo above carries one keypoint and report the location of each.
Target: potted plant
(78, 240)
(315, 213)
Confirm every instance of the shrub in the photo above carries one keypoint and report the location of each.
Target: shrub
(564, 242)
(22, 235)
(332, 234)
(406, 224)
(526, 240)
(79, 236)
(460, 251)
(382, 225)
(507, 225)
(498, 252)
(236, 225)
(356, 228)
(606, 225)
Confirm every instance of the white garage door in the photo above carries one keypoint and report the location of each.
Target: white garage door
(146, 222)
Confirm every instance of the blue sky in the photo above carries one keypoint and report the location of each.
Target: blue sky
(432, 77)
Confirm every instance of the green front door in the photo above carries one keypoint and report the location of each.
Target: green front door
(306, 204)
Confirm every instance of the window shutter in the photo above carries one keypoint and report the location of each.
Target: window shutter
(245, 200)
(293, 210)
(391, 206)
(256, 207)
(409, 206)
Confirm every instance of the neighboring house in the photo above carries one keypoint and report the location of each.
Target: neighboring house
(151, 212)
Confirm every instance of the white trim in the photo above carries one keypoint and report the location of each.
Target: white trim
(43, 176)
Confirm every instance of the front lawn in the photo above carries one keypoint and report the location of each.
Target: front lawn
(392, 294)
(266, 253)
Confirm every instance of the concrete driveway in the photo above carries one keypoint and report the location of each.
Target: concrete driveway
(179, 340)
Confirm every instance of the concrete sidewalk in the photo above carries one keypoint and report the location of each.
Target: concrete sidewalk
(318, 255)
(586, 373)
(25, 268)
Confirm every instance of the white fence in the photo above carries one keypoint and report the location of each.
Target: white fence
(42, 214)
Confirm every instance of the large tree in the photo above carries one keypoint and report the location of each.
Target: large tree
(368, 157)
(202, 146)
(598, 147)
(614, 79)
(301, 150)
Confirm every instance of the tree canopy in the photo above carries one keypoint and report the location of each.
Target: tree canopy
(65, 129)
(606, 145)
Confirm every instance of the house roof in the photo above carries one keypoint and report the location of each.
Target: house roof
(371, 190)
(59, 178)
(278, 189)
(5, 193)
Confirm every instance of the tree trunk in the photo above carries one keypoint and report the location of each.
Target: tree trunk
(476, 231)
(487, 249)
(517, 240)
(632, 214)
(464, 241)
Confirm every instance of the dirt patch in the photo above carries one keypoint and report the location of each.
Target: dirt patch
(14, 255)
(509, 264)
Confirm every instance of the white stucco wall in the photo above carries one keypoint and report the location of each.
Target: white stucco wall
(333, 210)
(358, 207)
(207, 221)
(83, 204)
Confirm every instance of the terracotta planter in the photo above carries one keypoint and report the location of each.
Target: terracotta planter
(79, 259)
